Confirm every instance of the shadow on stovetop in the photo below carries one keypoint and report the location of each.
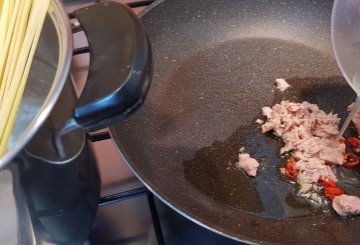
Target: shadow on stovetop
(129, 223)
(179, 230)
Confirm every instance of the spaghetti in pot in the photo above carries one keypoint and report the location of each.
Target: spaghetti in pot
(21, 22)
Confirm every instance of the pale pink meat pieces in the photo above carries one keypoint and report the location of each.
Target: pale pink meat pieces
(311, 169)
(248, 164)
(332, 155)
(356, 121)
(346, 205)
(268, 126)
(267, 111)
(325, 149)
(281, 84)
(356, 118)
(309, 134)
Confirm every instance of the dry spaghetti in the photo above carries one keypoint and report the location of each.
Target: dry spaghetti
(21, 23)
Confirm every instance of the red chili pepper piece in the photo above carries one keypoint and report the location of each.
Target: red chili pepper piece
(351, 160)
(290, 170)
(331, 192)
(291, 173)
(326, 182)
(353, 141)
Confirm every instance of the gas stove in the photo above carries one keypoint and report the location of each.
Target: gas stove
(128, 213)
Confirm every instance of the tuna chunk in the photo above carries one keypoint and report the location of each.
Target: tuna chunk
(309, 135)
(311, 169)
(248, 164)
(333, 155)
(327, 150)
(356, 118)
(267, 111)
(281, 84)
(346, 205)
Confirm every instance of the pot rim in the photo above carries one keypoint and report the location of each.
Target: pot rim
(62, 25)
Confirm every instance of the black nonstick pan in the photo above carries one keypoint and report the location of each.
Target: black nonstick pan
(214, 68)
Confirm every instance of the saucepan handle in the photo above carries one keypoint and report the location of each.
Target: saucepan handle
(119, 71)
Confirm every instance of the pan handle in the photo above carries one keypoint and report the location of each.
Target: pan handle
(119, 71)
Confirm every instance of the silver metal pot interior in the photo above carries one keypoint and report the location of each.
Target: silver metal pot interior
(46, 79)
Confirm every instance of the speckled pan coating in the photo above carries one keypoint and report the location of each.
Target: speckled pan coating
(215, 64)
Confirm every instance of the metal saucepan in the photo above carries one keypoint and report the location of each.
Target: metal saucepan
(215, 63)
(49, 171)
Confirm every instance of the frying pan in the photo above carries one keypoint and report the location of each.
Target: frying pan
(214, 67)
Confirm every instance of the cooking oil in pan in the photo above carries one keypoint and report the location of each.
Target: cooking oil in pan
(312, 77)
